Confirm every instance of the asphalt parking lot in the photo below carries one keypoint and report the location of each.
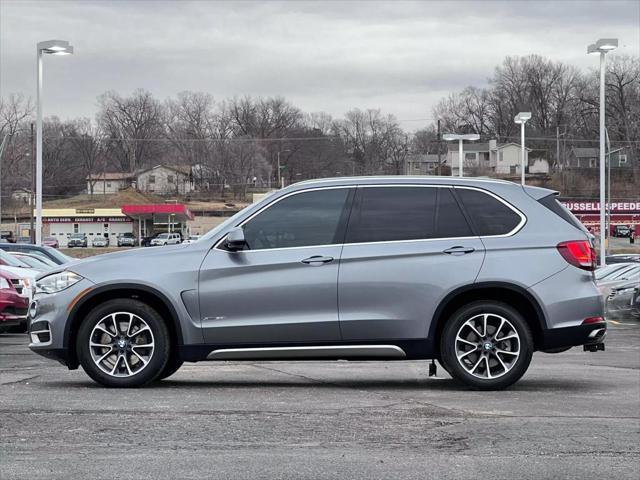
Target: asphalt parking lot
(573, 415)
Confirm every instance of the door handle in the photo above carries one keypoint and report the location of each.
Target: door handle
(317, 260)
(459, 250)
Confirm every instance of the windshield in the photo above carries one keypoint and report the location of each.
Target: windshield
(163, 235)
(605, 272)
(78, 235)
(11, 261)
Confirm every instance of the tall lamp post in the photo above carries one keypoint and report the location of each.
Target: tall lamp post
(522, 118)
(50, 47)
(450, 137)
(601, 47)
(280, 176)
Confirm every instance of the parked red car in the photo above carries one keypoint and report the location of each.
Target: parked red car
(13, 306)
(50, 242)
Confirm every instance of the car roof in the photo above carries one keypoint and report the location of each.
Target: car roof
(404, 179)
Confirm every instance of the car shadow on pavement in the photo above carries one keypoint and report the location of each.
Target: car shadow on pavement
(425, 384)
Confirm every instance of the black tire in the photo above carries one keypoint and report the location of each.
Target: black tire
(172, 366)
(161, 339)
(448, 345)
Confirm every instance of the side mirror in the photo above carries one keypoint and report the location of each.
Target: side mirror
(235, 240)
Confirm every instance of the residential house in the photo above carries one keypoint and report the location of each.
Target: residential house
(589, 157)
(165, 180)
(22, 195)
(538, 165)
(422, 164)
(109, 182)
(501, 159)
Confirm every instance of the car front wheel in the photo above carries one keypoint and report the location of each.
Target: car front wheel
(487, 345)
(123, 343)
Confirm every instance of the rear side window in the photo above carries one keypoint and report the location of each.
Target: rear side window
(303, 219)
(556, 207)
(384, 214)
(489, 215)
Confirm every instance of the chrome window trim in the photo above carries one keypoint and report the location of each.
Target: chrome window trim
(516, 229)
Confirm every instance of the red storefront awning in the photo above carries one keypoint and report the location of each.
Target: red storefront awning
(140, 211)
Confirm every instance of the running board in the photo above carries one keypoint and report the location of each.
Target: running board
(329, 351)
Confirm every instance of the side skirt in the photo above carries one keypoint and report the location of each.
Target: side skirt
(396, 350)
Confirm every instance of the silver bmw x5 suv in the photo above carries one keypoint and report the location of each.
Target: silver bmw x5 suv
(475, 273)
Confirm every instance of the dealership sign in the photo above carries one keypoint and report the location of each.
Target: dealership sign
(87, 220)
(624, 207)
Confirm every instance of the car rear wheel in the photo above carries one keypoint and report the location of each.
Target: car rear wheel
(487, 345)
(123, 343)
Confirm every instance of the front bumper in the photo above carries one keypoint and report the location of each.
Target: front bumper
(590, 334)
(48, 321)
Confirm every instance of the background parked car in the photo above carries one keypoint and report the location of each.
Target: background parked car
(126, 240)
(50, 253)
(37, 263)
(623, 258)
(23, 240)
(621, 231)
(13, 305)
(7, 236)
(191, 239)
(77, 240)
(25, 274)
(51, 242)
(167, 239)
(624, 301)
(629, 273)
(100, 241)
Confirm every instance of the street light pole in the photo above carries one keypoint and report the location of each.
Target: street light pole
(449, 137)
(601, 47)
(522, 118)
(51, 47)
(280, 176)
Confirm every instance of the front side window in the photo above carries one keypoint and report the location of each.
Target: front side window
(489, 215)
(303, 219)
(384, 214)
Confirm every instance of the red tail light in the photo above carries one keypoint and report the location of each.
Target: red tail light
(592, 320)
(578, 253)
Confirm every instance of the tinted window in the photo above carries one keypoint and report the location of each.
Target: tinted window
(310, 218)
(385, 214)
(450, 221)
(556, 207)
(489, 215)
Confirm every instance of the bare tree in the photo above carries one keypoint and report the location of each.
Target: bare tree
(131, 124)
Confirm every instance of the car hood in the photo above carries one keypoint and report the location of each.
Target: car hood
(20, 272)
(115, 256)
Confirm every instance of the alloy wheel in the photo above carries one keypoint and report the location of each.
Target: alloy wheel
(121, 344)
(487, 346)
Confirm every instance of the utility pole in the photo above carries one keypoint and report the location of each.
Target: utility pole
(3, 146)
(32, 232)
(439, 149)
(558, 146)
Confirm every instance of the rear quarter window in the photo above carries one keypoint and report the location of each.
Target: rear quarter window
(489, 215)
(556, 207)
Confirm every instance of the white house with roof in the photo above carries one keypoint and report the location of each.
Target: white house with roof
(108, 182)
(501, 159)
(161, 180)
(165, 180)
(422, 164)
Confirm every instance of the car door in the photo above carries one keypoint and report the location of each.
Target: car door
(283, 286)
(406, 247)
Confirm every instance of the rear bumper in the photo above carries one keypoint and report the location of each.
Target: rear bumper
(573, 336)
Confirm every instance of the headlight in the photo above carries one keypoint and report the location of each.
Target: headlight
(57, 282)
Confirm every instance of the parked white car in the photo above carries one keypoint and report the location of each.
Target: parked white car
(167, 239)
(192, 239)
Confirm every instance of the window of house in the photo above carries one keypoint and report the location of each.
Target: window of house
(623, 159)
(108, 184)
(152, 179)
(488, 214)
(170, 179)
(303, 219)
(470, 156)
